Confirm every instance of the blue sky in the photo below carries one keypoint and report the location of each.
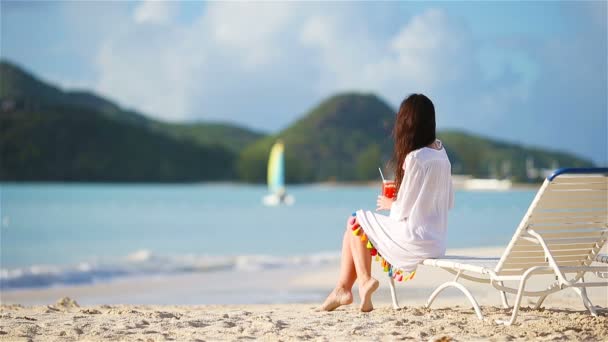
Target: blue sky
(528, 72)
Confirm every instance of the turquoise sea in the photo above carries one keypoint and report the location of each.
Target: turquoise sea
(54, 234)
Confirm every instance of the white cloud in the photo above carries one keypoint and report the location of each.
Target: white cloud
(264, 64)
(342, 51)
(257, 61)
(431, 53)
(185, 72)
(150, 75)
(432, 50)
(250, 30)
(154, 12)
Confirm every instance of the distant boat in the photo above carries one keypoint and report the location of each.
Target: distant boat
(470, 183)
(276, 177)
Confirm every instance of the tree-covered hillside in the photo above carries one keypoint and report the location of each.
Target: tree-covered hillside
(69, 144)
(51, 134)
(344, 138)
(23, 91)
(347, 137)
(230, 136)
(488, 158)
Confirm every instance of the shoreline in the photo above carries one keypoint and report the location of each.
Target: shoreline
(134, 309)
(311, 279)
(297, 284)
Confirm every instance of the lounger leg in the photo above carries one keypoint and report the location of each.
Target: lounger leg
(520, 294)
(503, 297)
(462, 289)
(582, 292)
(391, 283)
(542, 298)
(540, 301)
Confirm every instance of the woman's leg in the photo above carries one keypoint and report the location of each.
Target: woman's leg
(347, 265)
(342, 294)
(363, 265)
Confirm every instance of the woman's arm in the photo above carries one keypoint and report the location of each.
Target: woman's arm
(413, 179)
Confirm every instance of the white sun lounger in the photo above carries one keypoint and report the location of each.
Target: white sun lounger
(561, 234)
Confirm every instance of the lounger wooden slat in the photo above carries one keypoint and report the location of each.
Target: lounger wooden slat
(541, 252)
(586, 180)
(582, 186)
(595, 226)
(541, 258)
(573, 213)
(535, 247)
(554, 242)
(557, 195)
(574, 234)
(569, 205)
(568, 200)
(568, 220)
(515, 264)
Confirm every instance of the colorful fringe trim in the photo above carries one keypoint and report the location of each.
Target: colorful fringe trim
(397, 274)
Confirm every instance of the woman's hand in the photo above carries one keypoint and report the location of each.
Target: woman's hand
(384, 203)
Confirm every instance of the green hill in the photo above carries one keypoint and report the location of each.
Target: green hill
(30, 93)
(230, 136)
(347, 137)
(51, 134)
(344, 138)
(484, 157)
(73, 144)
(26, 92)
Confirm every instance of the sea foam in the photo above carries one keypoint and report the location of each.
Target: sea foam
(145, 262)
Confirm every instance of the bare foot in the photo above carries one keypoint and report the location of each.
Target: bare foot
(336, 298)
(365, 292)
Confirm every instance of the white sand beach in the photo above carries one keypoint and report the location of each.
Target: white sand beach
(97, 312)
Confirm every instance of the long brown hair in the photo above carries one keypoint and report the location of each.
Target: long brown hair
(414, 129)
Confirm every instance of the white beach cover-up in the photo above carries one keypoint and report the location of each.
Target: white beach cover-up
(416, 228)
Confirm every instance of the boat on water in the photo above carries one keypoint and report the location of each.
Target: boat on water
(469, 183)
(276, 178)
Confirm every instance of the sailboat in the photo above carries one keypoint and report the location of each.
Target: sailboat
(276, 177)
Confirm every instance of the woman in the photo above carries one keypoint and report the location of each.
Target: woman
(416, 228)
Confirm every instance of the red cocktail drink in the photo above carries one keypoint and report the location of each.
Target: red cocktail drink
(388, 189)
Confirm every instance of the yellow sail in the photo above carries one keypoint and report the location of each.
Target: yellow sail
(276, 168)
